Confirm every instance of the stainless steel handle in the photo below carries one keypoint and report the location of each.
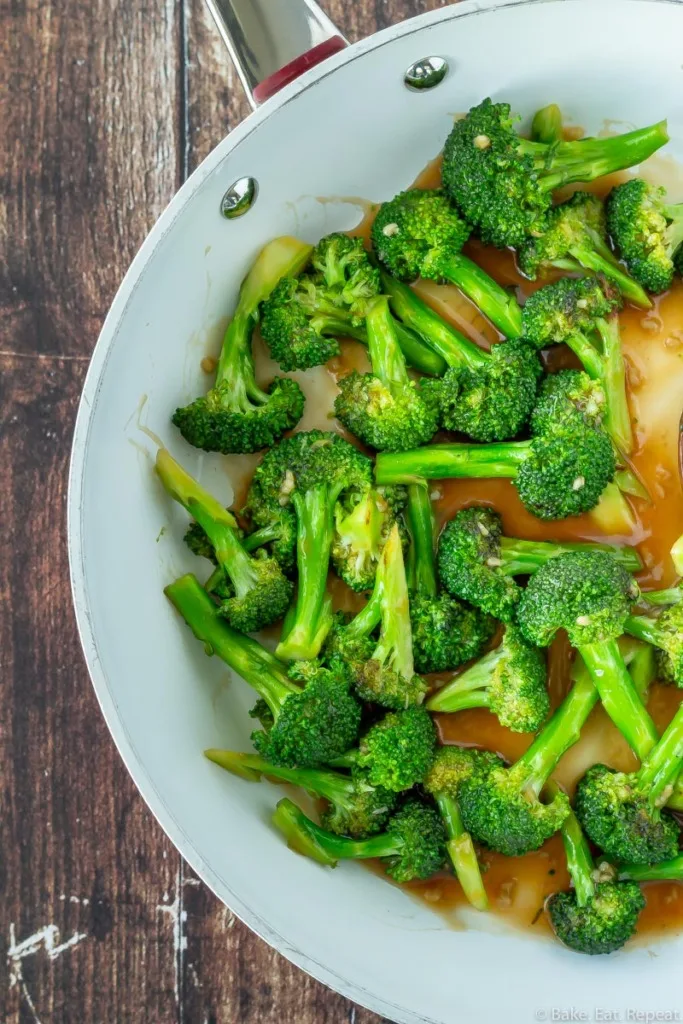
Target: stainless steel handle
(272, 42)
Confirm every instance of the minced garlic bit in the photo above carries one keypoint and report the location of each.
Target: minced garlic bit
(482, 142)
(604, 873)
(582, 304)
(495, 563)
(579, 483)
(583, 620)
(390, 230)
(288, 485)
(484, 530)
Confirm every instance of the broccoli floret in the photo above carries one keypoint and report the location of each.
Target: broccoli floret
(442, 783)
(510, 681)
(647, 231)
(398, 751)
(260, 593)
(666, 634)
(420, 234)
(356, 807)
(343, 265)
(360, 533)
(386, 409)
(575, 238)
(583, 314)
(562, 395)
(503, 184)
(311, 726)
(477, 563)
(595, 916)
(309, 472)
(446, 632)
(352, 640)
(237, 416)
(275, 529)
(413, 847)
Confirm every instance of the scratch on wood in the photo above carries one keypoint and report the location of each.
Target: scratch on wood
(178, 916)
(46, 938)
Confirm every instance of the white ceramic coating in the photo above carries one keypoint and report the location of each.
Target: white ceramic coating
(348, 128)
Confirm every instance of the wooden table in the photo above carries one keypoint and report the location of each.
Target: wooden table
(106, 106)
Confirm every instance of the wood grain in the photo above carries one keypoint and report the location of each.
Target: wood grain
(105, 108)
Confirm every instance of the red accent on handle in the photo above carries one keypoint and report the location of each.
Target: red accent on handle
(295, 68)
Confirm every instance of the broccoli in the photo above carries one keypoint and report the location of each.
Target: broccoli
(237, 416)
(398, 750)
(413, 847)
(657, 598)
(503, 184)
(386, 409)
(564, 394)
(259, 593)
(310, 472)
(665, 871)
(647, 232)
(356, 807)
(446, 632)
(310, 726)
(595, 916)
(487, 395)
(576, 237)
(510, 681)
(477, 563)
(582, 314)
(666, 634)
(360, 532)
(442, 783)
(622, 812)
(547, 125)
(420, 234)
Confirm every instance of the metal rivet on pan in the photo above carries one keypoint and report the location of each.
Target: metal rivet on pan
(239, 198)
(426, 73)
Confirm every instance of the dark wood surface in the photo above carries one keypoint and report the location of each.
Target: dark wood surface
(105, 107)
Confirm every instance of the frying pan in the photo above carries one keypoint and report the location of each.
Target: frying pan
(349, 125)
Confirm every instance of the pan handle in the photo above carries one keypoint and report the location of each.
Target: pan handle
(272, 42)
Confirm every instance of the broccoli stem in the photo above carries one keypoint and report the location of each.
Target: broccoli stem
(662, 766)
(388, 363)
(236, 365)
(588, 159)
(259, 538)
(462, 854)
(665, 871)
(420, 356)
(422, 531)
(454, 348)
(643, 628)
(546, 126)
(494, 301)
(618, 695)
(257, 666)
(600, 259)
(470, 688)
(618, 417)
(304, 836)
(330, 785)
(524, 557)
(449, 461)
(395, 639)
(313, 546)
(587, 354)
(674, 595)
(579, 859)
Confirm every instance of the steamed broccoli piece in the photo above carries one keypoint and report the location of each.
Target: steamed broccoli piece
(665, 871)
(355, 808)
(237, 416)
(510, 681)
(622, 812)
(442, 783)
(593, 917)
(547, 125)
(420, 234)
(413, 847)
(659, 598)
(311, 725)
(360, 533)
(260, 593)
(582, 314)
(666, 634)
(647, 231)
(446, 632)
(309, 472)
(565, 394)
(576, 238)
(503, 184)
(486, 395)
(398, 750)
(346, 271)
(477, 563)
(386, 409)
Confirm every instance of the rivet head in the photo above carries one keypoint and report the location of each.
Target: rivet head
(426, 73)
(239, 198)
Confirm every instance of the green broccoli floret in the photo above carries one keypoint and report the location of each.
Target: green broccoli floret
(562, 395)
(666, 634)
(487, 395)
(311, 726)
(442, 782)
(477, 563)
(583, 314)
(343, 265)
(503, 184)
(386, 408)
(413, 847)
(622, 812)
(510, 681)
(310, 472)
(446, 632)
(647, 231)
(360, 533)
(398, 750)
(595, 916)
(576, 238)
(420, 234)
(237, 416)
(260, 593)
(356, 807)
